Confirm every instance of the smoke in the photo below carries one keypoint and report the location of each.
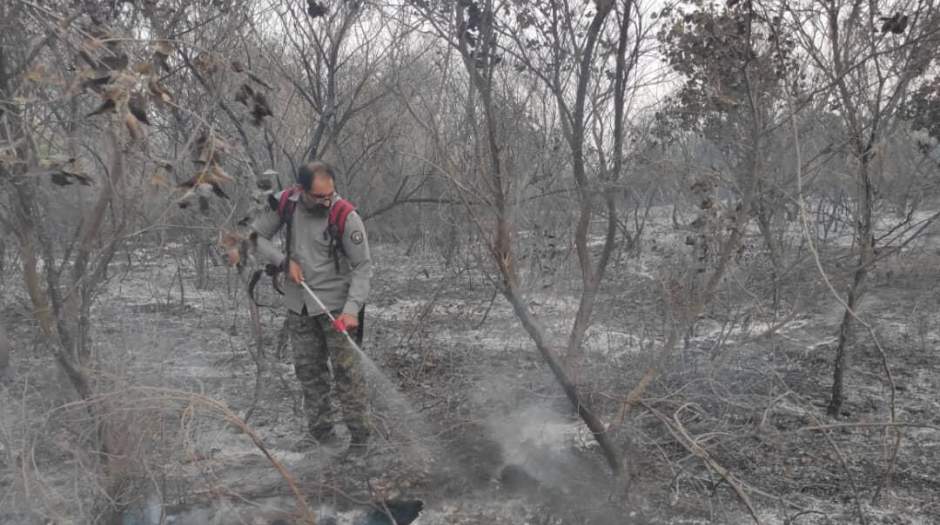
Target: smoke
(547, 456)
(544, 442)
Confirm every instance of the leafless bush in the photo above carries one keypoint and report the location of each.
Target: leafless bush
(155, 453)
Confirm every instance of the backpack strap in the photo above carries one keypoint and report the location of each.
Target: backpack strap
(286, 204)
(285, 211)
(339, 212)
(336, 224)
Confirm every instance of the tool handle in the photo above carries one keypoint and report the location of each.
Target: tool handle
(337, 324)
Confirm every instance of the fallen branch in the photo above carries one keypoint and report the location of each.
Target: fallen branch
(868, 425)
(689, 443)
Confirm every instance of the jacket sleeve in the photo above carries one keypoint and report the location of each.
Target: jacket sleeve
(263, 229)
(356, 246)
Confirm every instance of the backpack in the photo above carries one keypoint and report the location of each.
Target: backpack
(336, 223)
(285, 207)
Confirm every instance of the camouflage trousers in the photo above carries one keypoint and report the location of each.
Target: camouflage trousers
(316, 346)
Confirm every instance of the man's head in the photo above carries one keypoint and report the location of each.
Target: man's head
(319, 184)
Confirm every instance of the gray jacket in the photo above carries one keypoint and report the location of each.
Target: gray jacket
(345, 290)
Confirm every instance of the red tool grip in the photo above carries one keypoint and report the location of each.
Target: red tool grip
(339, 325)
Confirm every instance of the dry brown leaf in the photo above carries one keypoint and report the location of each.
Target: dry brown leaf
(125, 80)
(36, 74)
(144, 68)
(8, 158)
(62, 171)
(164, 164)
(230, 239)
(162, 47)
(137, 105)
(210, 148)
(133, 126)
(217, 174)
(93, 44)
(73, 166)
(159, 92)
(88, 73)
(206, 63)
(107, 106)
(159, 181)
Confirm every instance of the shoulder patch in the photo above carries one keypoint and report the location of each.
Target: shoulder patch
(356, 237)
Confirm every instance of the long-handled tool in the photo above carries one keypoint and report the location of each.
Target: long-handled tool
(337, 324)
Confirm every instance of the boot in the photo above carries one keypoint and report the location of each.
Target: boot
(321, 437)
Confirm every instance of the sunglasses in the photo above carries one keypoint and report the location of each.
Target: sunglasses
(320, 197)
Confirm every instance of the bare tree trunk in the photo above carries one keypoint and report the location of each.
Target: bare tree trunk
(502, 249)
(44, 314)
(592, 284)
(594, 424)
(201, 256)
(4, 353)
(591, 274)
(498, 181)
(86, 278)
(865, 260)
(775, 252)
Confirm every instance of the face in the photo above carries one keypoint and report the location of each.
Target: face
(320, 195)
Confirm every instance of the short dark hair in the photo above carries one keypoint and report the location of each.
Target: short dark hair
(306, 173)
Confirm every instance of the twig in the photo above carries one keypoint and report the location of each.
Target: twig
(488, 308)
(417, 320)
(791, 520)
(687, 442)
(634, 396)
(848, 474)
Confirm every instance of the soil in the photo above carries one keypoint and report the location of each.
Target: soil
(469, 419)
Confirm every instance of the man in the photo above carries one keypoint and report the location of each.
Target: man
(337, 266)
